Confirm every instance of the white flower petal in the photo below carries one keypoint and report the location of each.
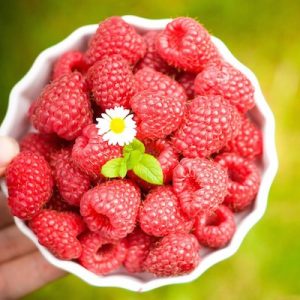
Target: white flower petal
(103, 126)
(106, 117)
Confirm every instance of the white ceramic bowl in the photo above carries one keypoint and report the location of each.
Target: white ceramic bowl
(15, 124)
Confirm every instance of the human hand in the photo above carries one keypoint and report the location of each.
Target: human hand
(22, 267)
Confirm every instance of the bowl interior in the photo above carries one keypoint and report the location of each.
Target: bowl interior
(16, 125)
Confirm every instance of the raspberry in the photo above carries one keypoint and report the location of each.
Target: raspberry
(225, 80)
(215, 230)
(187, 82)
(210, 122)
(69, 62)
(187, 45)
(58, 232)
(90, 152)
(111, 208)
(138, 247)
(44, 144)
(160, 213)
(167, 157)
(71, 182)
(244, 180)
(149, 79)
(115, 36)
(200, 184)
(175, 254)
(29, 184)
(57, 203)
(152, 59)
(156, 115)
(112, 82)
(248, 142)
(100, 255)
(63, 107)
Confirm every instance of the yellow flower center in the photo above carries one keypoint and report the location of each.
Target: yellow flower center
(117, 125)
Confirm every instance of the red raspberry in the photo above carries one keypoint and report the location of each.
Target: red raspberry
(200, 184)
(57, 203)
(223, 79)
(111, 208)
(215, 230)
(167, 157)
(248, 142)
(149, 79)
(112, 82)
(69, 62)
(138, 246)
(115, 36)
(58, 232)
(174, 255)
(152, 59)
(90, 152)
(161, 214)
(156, 115)
(187, 45)
(71, 182)
(209, 124)
(187, 81)
(44, 144)
(63, 107)
(100, 255)
(29, 184)
(244, 180)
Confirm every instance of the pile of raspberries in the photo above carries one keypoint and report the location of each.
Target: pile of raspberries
(190, 107)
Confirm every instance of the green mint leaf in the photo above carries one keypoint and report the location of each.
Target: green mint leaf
(111, 169)
(123, 168)
(149, 169)
(134, 158)
(134, 145)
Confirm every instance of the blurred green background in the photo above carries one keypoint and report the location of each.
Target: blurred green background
(262, 34)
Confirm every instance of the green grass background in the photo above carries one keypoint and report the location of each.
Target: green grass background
(262, 34)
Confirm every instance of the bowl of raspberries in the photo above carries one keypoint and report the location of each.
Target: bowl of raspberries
(147, 152)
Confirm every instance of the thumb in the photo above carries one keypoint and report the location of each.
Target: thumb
(9, 148)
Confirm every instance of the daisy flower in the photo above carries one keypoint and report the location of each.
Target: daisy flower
(117, 126)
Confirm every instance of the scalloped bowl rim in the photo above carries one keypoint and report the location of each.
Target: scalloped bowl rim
(128, 281)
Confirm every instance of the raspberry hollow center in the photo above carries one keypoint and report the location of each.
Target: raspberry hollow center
(117, 125)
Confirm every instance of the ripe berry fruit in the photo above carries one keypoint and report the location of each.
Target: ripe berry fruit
(111, 82)
(210, 122)
(156, 115)
(58, 231)
(223, 79)
(216, 229)
(44, 144)
(111, 208)
(248, 142)
(115, 36)
(244, 180)
(90, 152)
(138, 246)
(69, 62)
(100, 255)
(71, 182)
(161, 214)
(63, 107)
(200, 185)
(186, 44)
(29, 182)
(175, 254)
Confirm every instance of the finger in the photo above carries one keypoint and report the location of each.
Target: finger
(9, 149)
(26, 274)
(13, 244)
(5, 216)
